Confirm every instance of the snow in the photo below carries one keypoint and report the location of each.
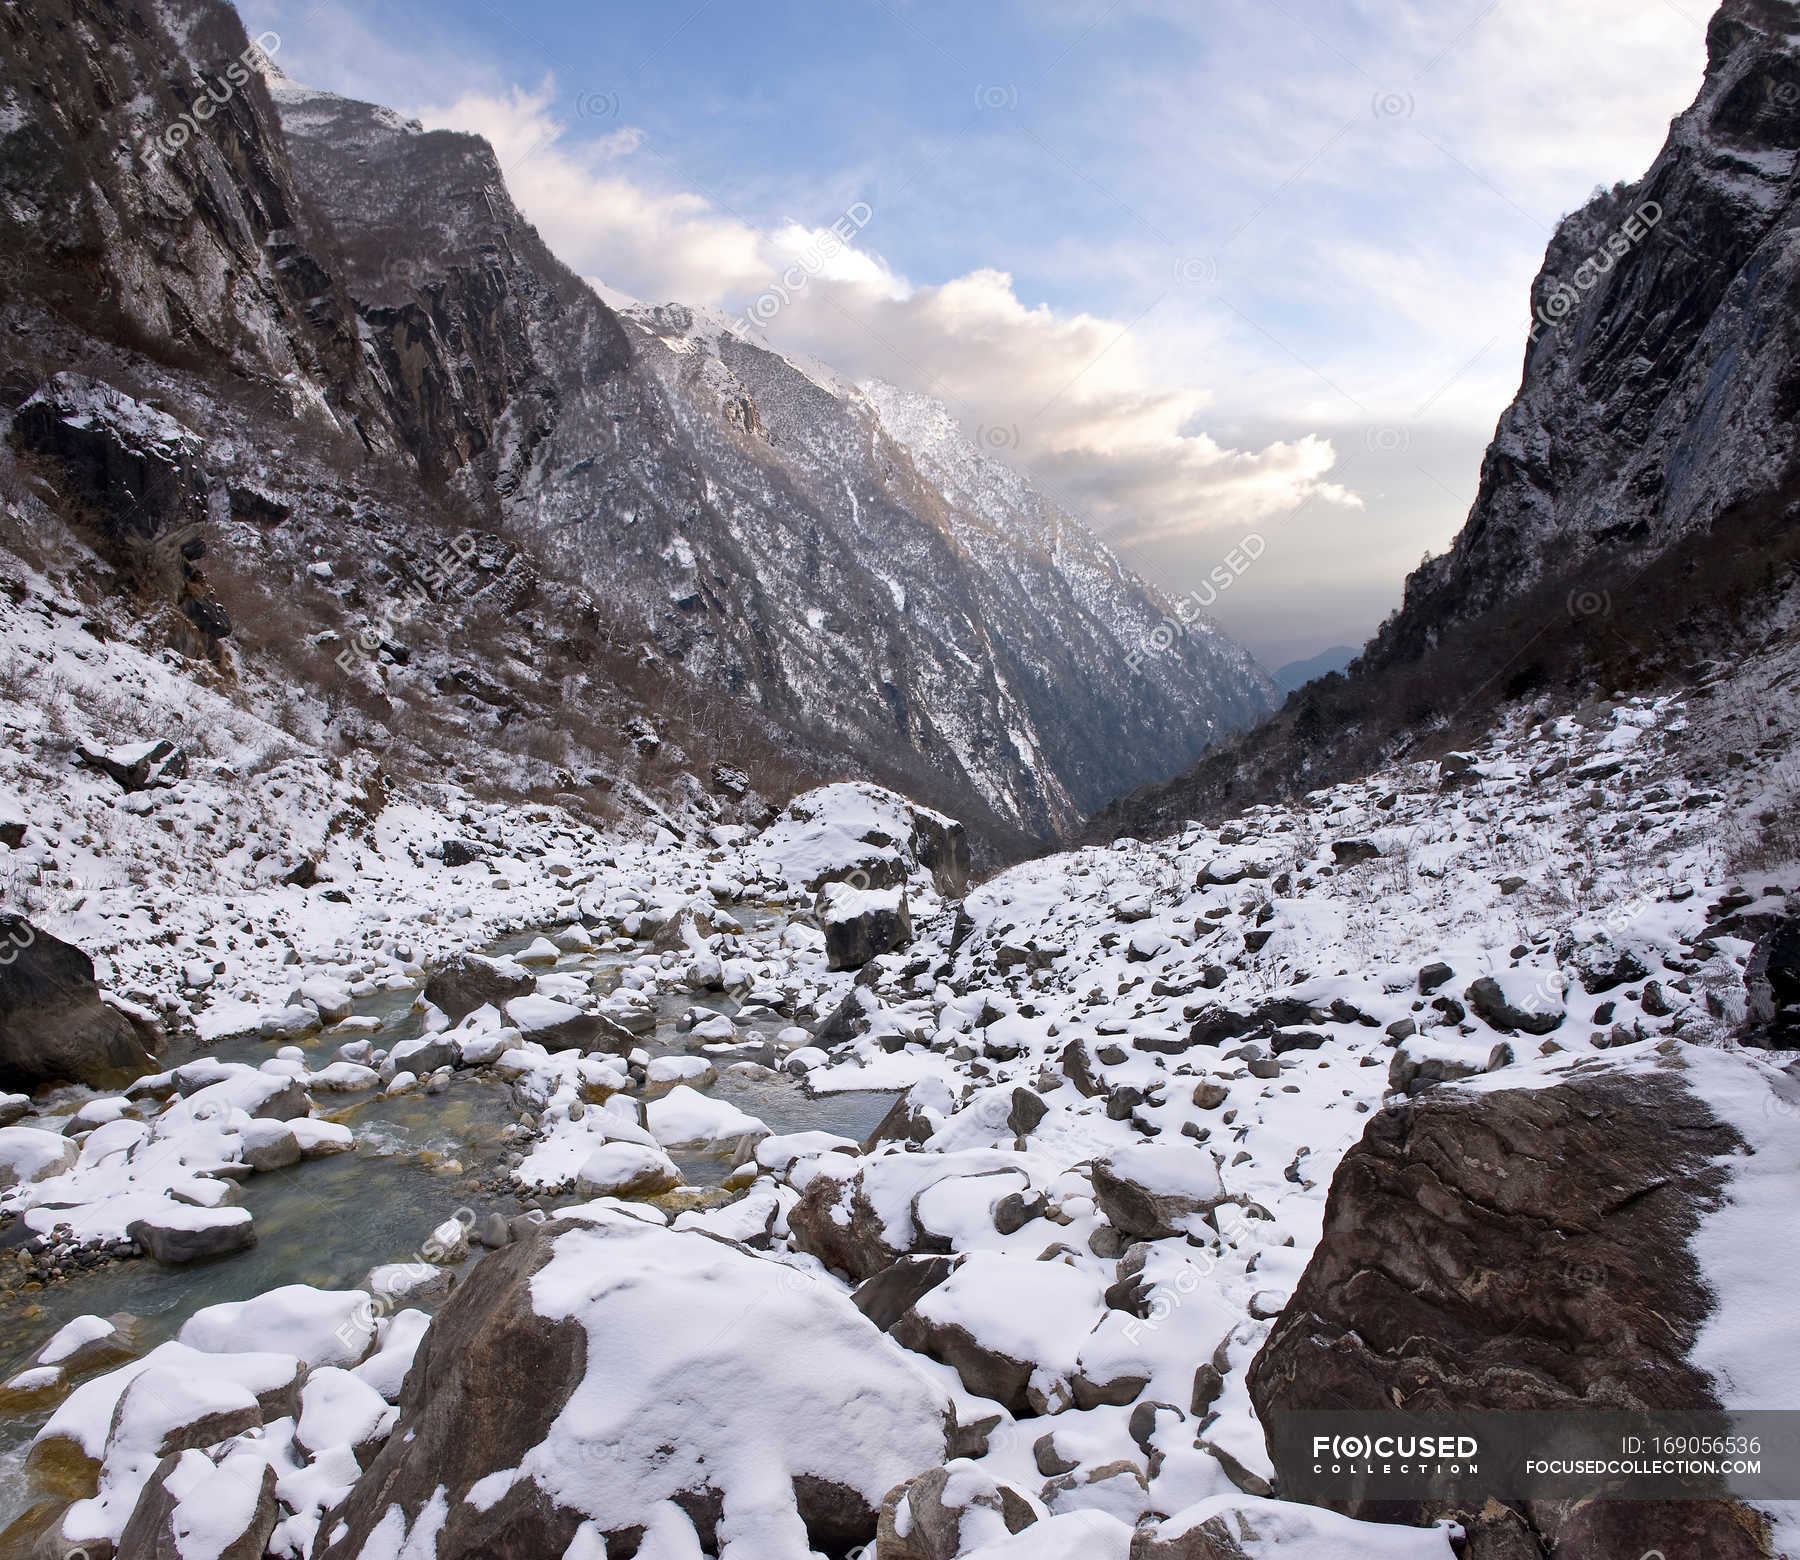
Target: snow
(712, 1397)
(685, 1118)
(322, 1327)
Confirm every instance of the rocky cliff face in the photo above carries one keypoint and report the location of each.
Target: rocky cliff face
(1635, 514)
(1662, 377)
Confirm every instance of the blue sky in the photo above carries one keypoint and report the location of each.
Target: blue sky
(1199, 268)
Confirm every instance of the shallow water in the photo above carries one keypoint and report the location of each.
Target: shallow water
(326, 1222)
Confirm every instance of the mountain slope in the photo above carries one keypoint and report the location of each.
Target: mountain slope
(689, 550)
(765, 532)
(1634, 520)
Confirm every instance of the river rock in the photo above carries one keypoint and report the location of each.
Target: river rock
(472, 980)
(628, 1170)
(230, 1508)
(593, 1357)
(54, 1026)
(178, 1234)
(30, 1154)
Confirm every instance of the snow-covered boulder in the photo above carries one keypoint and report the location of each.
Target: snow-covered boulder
(1152, 1191)
(30, 1154)
(627, 1170)
(837, 832)
(608, 1379)
(1528, 998)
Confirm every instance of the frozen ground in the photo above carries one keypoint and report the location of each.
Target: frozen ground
(1125, 1183)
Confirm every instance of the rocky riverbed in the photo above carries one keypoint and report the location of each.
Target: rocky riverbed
(980, 1243)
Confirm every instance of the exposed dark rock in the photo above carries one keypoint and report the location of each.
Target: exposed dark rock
(136, 468)
(140, 768)
(470, 981)
(1489, 999)
(489, 1378)
(1526, 1249)
(861, 926)
(898, 1287)
(1772, 982)
(54, 1026)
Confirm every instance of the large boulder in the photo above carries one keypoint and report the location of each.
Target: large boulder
(54, 1026)
(862, 923)
(471, 980)
(862, 834)
(613, 1376)
(137, 468)
(1523, 1249)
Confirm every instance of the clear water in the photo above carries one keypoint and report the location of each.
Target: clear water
(326, 1222)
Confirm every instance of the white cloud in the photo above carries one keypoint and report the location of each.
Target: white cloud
(1072, 398)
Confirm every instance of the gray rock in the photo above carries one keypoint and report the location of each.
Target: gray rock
(470, 981)
(54, 1025)
(173, 1241)
(1456, 1301)
(151, 1534)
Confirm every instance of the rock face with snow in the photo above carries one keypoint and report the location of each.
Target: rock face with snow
(1661, 378)
(54, 1027)
(1642, 476)
(1519, 1250)
(612, 1379)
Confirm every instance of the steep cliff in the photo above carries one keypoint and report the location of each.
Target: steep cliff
(1635, 515)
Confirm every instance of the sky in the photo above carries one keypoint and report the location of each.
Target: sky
(1202, 269)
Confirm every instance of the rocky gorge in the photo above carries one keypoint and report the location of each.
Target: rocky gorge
(557, 1018)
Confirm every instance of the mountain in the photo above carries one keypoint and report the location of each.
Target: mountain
(1634, 519)
(692, 551)
(1297, 674)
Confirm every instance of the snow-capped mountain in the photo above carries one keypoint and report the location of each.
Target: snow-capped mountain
(897, 600)
(682, 530)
